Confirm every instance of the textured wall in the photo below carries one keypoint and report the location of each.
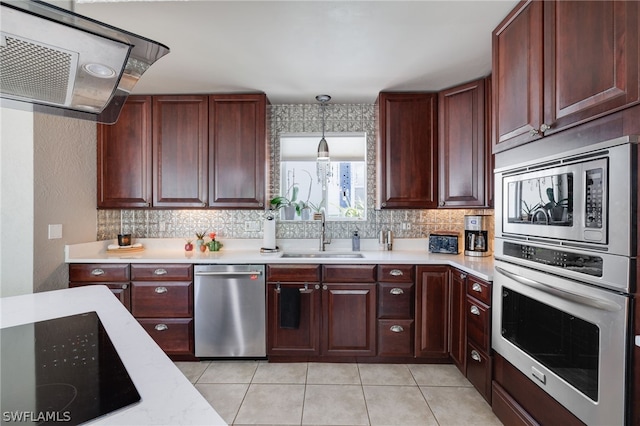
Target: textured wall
(65, 193)
(248, 224)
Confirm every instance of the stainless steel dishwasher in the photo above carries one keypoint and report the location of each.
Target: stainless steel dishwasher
(229, 311)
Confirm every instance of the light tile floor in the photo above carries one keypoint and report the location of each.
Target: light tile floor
(262, 393)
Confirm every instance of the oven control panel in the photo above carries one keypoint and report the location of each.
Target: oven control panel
(594, 199)
(582, 263)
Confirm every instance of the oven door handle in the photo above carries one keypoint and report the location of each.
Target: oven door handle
(596, 302)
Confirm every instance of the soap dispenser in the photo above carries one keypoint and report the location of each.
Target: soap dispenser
(355, 241)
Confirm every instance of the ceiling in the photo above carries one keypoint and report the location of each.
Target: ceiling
(295, 50)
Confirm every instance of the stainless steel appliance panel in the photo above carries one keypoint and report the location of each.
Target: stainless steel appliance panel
(567, 337)
(229, 311)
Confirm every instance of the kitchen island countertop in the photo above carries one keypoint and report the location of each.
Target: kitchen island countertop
(171, 250)
(167, 397)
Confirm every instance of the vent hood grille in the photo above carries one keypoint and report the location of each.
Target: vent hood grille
(57, 62)
(37, 72)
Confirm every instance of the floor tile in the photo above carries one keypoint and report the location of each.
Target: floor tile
(334, 405)
(224, 398)
(291, 373)
(397, 405)
(192, 370)
(321, 373)
(454, 406)
(272, 404)
(438, 375)
(385, 374)
(229, 372)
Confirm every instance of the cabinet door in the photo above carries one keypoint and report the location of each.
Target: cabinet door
(121, 290)
(180, 130)
(407, 150)
(237, 136)
(124, 157)
(517, 77)
(432, 312)
(462, 146)
(304, 340)
(349, 319)
(591, 59)
(457, 347)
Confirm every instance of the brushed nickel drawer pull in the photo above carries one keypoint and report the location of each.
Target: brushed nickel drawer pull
(161, 290)
(476, 287)
(396, 328)
(463, 276)
(97, 272)
(474, 310)
(475, 356)
(161, 327)
(396, 272)
(396, 291)
(160, 271)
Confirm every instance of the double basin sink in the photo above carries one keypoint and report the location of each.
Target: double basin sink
(322, 255)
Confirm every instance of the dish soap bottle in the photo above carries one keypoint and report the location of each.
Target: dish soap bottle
(355, 241)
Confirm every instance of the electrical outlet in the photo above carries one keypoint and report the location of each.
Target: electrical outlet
(55, 232)
(406, 226)
(252, 226)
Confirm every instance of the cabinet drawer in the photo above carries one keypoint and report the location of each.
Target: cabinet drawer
(161, 272)
(98, 272)
(173, 335)
(349, 273)
(479, 370)
(478, 321)
(396, 273)
(293, 273)
(481, 290)
(395, 337)
(161, 299)
(395, 300)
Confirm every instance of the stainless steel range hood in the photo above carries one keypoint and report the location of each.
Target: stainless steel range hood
(58, 62)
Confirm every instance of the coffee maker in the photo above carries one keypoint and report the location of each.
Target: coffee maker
(476, 235)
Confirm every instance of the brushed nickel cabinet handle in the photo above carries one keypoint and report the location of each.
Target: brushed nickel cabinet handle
(161, 327)
(475, 355)
(324, 287)
(463, 276)
(396, 272)
(396, 328)
(476, 287)
(160, 271)
(396, 291)
(474, 310)
(125, 286)
(544, 127)
(161, 290)
(97, 272)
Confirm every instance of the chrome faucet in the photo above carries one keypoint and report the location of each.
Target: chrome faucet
(323, 230)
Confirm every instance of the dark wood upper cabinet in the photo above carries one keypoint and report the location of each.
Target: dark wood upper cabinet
(557, 64)
(124, 157)
(237, 149)
(407, 159)
(463, 149)
(180, 137)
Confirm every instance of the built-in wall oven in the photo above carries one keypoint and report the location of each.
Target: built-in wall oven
(563, 279)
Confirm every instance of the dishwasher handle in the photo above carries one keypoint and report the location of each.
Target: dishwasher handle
(226, 273)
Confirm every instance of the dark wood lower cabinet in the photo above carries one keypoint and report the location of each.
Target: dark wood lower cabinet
(432, 312)
(519, 401)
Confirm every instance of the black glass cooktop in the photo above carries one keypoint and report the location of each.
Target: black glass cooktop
(64, 370)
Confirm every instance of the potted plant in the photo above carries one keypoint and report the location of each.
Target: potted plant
(303, 207)
(200, 238)
(287, 204)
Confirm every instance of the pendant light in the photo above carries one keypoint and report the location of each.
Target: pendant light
(323, 147)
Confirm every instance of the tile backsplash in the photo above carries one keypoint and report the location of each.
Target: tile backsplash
(142, 223)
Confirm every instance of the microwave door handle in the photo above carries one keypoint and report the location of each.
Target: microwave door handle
(595, 302)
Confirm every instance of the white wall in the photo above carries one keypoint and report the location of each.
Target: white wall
(64, 193)
(47, 176)
(16, 202)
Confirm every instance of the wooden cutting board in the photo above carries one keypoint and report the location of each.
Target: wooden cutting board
(125, 250)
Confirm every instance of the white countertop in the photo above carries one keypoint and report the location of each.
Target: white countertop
(245, 251)
(167, 397)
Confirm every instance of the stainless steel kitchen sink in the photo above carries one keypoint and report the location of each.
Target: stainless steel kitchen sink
(323, 255)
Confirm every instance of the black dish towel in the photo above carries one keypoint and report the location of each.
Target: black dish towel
(289, 307)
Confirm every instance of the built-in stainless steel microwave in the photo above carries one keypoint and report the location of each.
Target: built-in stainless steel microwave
(583, 198)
